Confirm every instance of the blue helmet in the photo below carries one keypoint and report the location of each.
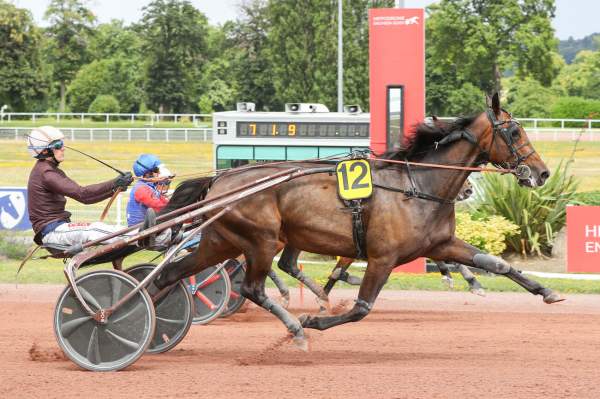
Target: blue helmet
(145, 163)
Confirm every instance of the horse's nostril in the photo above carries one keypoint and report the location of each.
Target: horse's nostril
(468, 192)
(544, 175)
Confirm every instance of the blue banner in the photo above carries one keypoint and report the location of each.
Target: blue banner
(13, 209)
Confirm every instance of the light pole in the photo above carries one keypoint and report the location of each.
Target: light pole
(340, 93)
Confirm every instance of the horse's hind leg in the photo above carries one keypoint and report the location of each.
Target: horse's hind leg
(375, 277)
(339, 272)
(253, 288)
(474, 286)
(289, 264)
(459, 251)
(282, 287)
(446, 275)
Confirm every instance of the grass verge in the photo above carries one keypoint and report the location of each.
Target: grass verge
(50, 271)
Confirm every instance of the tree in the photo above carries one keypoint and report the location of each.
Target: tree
(248, 55)
(71, 24)
(302, 50)
(582, 77)
(174, 34)
(529, 99)
(113, 40)
(118, 77)
(22, 80)
(482, 40)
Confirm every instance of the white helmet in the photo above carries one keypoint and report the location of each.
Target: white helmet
(40, 138)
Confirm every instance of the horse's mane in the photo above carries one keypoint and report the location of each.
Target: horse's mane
(425, 136)
(188, 192)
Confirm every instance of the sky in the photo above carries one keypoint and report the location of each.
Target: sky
(574, 18)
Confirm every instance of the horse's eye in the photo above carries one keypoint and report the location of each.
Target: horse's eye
(515, 133)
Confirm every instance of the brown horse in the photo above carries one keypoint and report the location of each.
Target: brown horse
(308, 214)
(288, 262)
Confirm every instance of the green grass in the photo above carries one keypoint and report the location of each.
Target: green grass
(586, 164)
(88, 123)
(50, 271)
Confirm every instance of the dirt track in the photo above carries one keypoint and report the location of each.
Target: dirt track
(413, 345)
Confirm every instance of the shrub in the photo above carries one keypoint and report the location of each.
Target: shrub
(527, 98)
(576, 108)
(540, 213)
(11, 249)
(488, 234)
(104, 105)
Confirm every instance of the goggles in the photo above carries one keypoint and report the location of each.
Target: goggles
(56, 145)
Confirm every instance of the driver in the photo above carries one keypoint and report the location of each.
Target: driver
(48, 186)
(150, 190)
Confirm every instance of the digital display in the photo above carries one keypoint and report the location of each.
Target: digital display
(302, 129)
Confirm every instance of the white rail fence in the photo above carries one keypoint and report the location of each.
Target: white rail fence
(8, 117)
(119, 134)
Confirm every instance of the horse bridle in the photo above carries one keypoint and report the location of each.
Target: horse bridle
(510, 134)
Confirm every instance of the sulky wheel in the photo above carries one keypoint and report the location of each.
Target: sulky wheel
(210, 296)
(115, 344)
(174, 311)
(237, 272)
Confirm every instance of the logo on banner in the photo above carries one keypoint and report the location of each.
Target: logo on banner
(13, 209)
(396, 20)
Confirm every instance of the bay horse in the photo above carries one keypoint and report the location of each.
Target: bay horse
(308, 214)
(288, 262)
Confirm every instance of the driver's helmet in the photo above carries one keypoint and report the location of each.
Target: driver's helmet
(44, 138)
(146, 163)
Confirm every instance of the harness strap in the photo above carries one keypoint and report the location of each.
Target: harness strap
(358, 228)
(415, 194)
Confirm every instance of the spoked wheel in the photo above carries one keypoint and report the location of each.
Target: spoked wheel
(174, 311)
(236, 272)
(210, 296)
(122, 339)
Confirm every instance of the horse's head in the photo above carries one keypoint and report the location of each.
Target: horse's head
(505, 144)
(6, 205)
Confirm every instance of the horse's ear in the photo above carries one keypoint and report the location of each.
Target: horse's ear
(496, 104)
(434, 118)
(488, 101)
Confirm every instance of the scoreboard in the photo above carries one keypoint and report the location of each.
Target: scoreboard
(246, 136)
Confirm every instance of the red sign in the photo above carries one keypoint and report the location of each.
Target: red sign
(397, 82)
(396, 67)
(583, 239)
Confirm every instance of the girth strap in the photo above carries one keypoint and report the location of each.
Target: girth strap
(358, 228)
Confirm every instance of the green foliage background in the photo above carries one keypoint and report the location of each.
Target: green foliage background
(277, 51)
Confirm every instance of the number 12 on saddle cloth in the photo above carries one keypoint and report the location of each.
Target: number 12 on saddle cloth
(354, 179)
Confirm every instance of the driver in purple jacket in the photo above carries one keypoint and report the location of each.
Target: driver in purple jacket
(48, 186)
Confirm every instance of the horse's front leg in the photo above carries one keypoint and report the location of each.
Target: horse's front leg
(459, 251)
(289, 264)
(375, 277)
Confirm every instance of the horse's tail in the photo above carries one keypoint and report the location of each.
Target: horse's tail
(187, 193)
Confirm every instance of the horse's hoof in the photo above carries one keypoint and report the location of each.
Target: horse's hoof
(300, 343)
(478, 291)
(448, 281)
(303, 319)
(553, 297)
(323, 305)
